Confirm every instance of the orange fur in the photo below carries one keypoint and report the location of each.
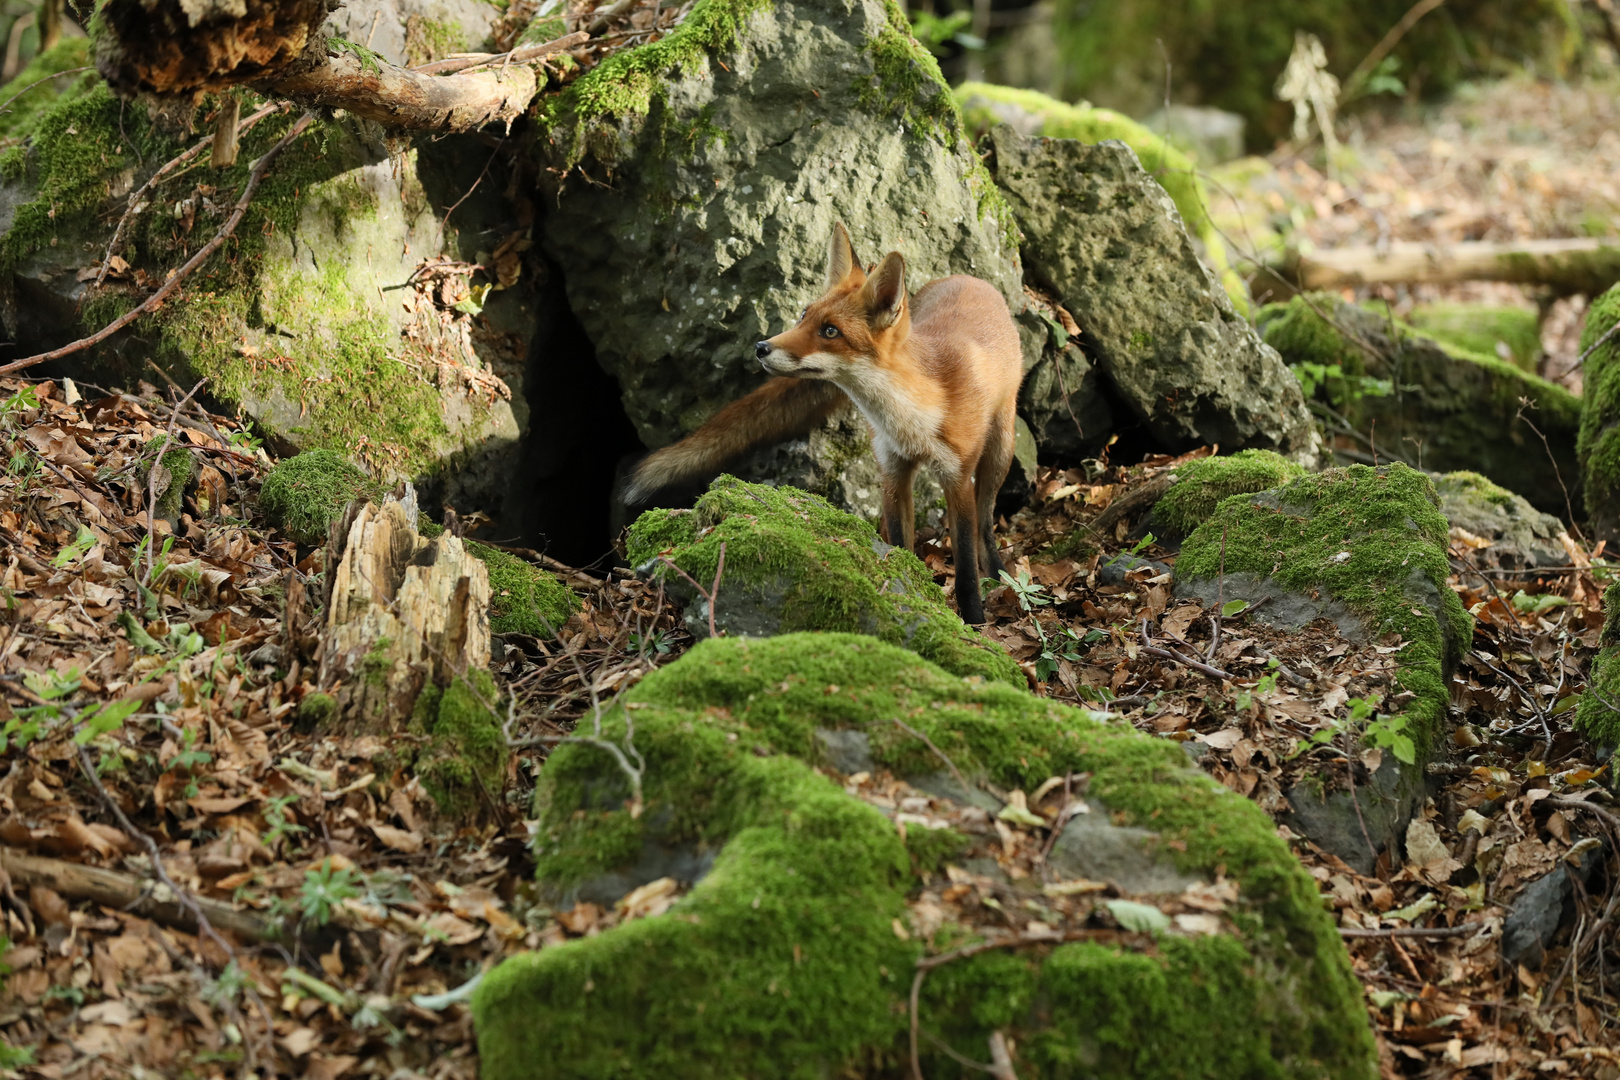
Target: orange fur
(936, 374)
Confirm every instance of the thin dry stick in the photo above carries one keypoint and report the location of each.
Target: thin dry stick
(710, 594)
(1592, 348)
(1569, 507)
(949, 764)
(1151, 649)
(1220, 602)
(168, 288)
(164, 448)
(37, 82)
(189, 902)
(1411, 931)
(516, 56)
(1391, 39)
(152, 181)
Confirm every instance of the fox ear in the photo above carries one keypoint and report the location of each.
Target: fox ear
(841, 260)
(885, 291)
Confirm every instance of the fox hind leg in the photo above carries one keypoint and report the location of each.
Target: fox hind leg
(959, 497)
(987, 480)
(899, 512)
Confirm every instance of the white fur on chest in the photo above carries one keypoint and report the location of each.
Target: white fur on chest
(902, 427)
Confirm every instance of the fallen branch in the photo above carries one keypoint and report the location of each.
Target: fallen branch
(153, 302)
(1567, 266)
(949, 764)
(1411, 931)
(125, 892)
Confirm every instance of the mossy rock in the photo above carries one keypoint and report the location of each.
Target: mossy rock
(1366, 548)
(287, 323)
(735, 143)
(1599, 440)
(796, 562)
(304, 494)
(1447, 409)
(783, 960)
(1508, 333)
(1521, 537)
(1201, 485)
(1597, 716)
(1034, 113)
(1104, 238)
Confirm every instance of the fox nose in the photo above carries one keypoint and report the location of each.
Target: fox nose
(762, 349)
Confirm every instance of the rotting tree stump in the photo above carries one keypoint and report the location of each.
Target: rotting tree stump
(403, 612)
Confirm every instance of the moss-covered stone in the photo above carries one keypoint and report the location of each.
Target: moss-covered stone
(795, 562)
(782, 961)
(1599, 440)
(1484, 330)
(523, 598)
(462, 764)
(303, 495)
(1373, 540)
(175, 470)
(1034, 113)
(1446, 409)
(1521, 537)
(1597, 716)
(1201, 485)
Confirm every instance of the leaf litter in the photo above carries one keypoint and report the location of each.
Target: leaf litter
(183, 695)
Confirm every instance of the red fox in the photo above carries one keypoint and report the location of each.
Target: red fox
(935, 374)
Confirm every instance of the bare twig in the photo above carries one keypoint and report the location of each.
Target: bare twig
(1151, 649)
(949, 764)
(1390, 40)
(1569, 507)
(163, 450)
(1608, 335)
(1412, 931)
(168, 288)
(516, 56)
(709, 595)
(38, 82)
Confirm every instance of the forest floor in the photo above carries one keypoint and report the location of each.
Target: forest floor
(175, 733)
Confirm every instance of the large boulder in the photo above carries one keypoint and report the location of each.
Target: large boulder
(705, 173)
(795, 562)
(805, 895)
(1365, 548)
(1599, 440)
(1101, 235)
(315, 319)
(1441, 407)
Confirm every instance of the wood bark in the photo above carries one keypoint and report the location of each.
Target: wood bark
(129, 893)
(402, 610)
(1566, 266)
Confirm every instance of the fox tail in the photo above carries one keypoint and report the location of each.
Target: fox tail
(784, 408)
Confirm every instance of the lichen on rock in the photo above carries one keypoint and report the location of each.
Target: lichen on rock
(784, 960)
(1103, 237)
(1519, 537)
(795, 562)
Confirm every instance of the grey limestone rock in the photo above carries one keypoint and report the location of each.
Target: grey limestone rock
(1103, 237)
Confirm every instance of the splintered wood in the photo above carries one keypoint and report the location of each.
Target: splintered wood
(403, 610)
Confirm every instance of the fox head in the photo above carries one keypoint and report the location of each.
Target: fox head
(859, 319)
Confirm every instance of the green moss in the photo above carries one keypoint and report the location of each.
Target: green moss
(1597, 715)
(1389, 523)
(524, 599)
(629, 83)
(303, 495)
(1598, 444)
(782, 961)
(1480, 329)
(463, 763)
(24, 106)
(1465, 483)
(427, 40)
(816, 568)
(1201, 485)
(316, 710)
(1173, 170)
(178, 468)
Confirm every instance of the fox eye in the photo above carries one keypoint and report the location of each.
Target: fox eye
(803, 313)
(829, 331)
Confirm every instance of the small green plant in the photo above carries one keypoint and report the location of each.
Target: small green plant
(1143, 544)
(1030, 594)
(1385, 732)
(82, 543)
(1343, 390)
(936, 31)
(1264, 685)
(30, 723)
(325, 889)
(370, 62)
(12, 408)
(275, 815)
(655, 643)
(226, 989)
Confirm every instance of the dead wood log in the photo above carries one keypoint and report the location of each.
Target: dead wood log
(182, 48)
(1567, 266)
(126, 892)
(402, 611)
